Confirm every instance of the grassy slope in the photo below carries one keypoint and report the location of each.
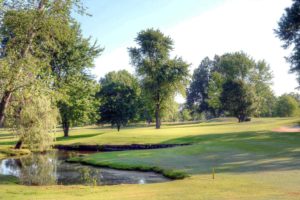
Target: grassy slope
(249, 147)
(251, 162)
(262, 186)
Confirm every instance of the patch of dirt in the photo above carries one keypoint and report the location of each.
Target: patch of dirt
(287, 129)
(294, 193)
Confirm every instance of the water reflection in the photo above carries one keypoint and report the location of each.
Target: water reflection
(38, 170)
(51, 168)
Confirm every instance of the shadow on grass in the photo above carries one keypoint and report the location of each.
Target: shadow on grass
(73, 137)
(6, 135)
(6, 179)
(8, 143)
(239, 152)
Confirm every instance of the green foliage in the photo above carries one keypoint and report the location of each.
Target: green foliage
(119, 96)
(287, 106)
(161, 77)
(197, 93)
(171, 113)
(185, 115)
(33, 120)
(288, 32)
(238, 99)
(70, 65)
(208, 79)
(235, 66)
(79, 105)
(215, 89)
(42, 47)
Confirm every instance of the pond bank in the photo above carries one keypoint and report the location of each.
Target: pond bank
(10, 152)
(108, 148)
(93, 161)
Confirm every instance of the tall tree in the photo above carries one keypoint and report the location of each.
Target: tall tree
(120, 98)
(27, 29)
(237, 98)
(261, 79)
(197, 93)
(70, 65)
(161, 76)
(289, 32)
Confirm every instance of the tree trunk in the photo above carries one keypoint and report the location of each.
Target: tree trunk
(157, 116)
(19, 144)
(3, 105)
(66, 127)
(118, 127)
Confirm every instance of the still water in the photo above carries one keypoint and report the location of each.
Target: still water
(52, 169)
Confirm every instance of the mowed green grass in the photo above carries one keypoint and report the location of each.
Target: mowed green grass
(250, 159)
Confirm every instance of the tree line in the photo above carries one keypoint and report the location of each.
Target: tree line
(45, 78)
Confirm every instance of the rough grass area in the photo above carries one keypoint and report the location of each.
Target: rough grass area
(250, 159)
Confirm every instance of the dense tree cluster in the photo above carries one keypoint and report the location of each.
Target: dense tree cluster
(235, 79)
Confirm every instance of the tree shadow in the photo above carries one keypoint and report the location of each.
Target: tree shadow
(240, 152)
(7, 179)
(6, 136)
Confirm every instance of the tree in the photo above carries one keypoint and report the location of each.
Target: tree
(33, 117)
(119, 96)
(30, 31)
(171, 113)
(215, 89)
(197, 93)
(289, 32)
(235, 66)
(161, 77)
(185, 115)
(261, 79)
(287, 106)
(70, 64)
(27, 29)
(79, 105)
(238, 99)
(207, 84)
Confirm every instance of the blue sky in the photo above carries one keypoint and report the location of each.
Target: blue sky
(199, 28)
(115, 22)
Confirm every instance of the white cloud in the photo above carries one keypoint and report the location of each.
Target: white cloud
(234, 26)
(112, 61)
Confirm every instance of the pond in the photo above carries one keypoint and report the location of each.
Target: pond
(52, 169)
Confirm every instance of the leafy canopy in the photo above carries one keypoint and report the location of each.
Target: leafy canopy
(161, 77)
